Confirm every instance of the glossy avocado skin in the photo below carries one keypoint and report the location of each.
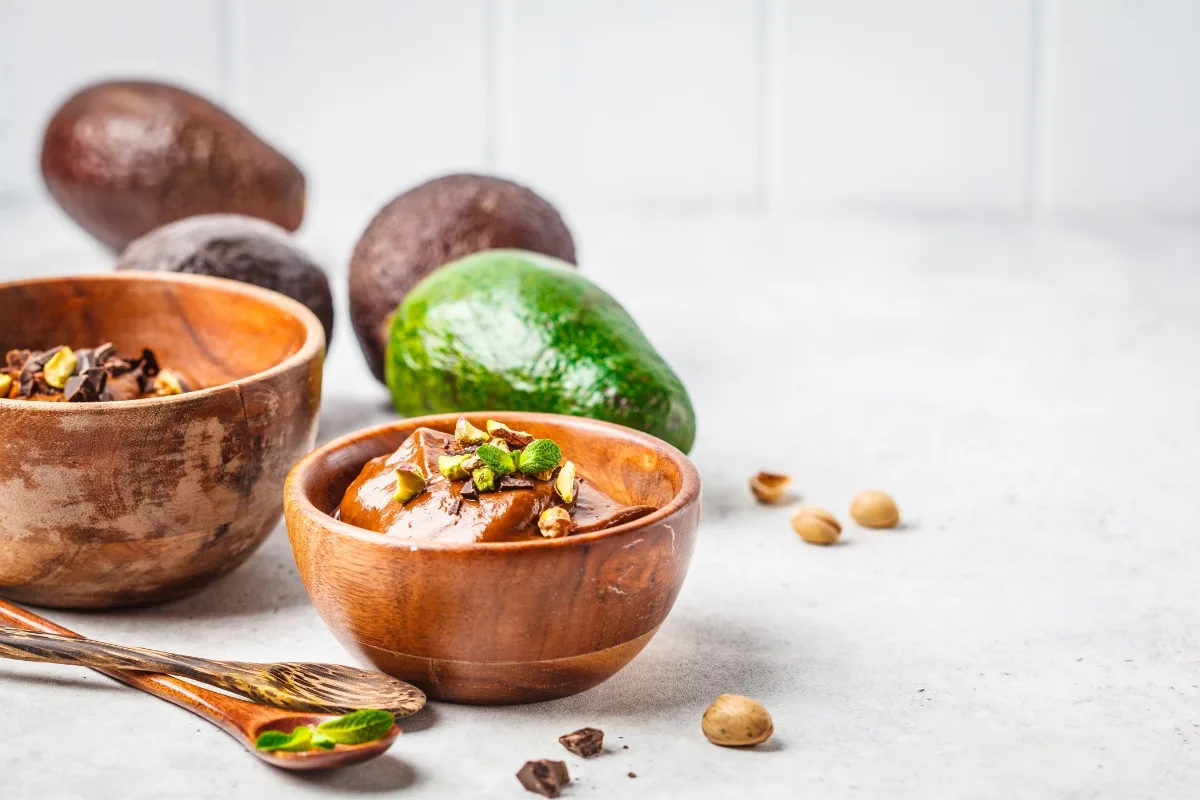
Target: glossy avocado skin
(512, 330)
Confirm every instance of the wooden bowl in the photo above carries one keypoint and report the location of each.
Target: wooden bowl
(141, 501)
(505, 622)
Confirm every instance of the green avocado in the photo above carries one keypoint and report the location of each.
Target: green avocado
(517, 331)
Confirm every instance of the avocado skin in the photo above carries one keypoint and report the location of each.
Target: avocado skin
(125, 157)
(513, 330)
(435, 223)
(239, 248)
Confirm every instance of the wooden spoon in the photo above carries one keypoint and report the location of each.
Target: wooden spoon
(242, 720)
(324, 688)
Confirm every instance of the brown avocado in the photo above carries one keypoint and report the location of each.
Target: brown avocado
(434, 224)
(125, 157)
(239, 248)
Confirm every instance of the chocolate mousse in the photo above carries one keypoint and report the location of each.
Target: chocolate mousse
(475, 486)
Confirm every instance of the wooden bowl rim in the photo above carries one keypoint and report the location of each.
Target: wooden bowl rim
(295, 496)
(314, 339)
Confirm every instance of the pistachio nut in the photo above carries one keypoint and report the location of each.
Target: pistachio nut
(873, 508)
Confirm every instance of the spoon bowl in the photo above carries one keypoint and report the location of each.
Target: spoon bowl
(342, 755)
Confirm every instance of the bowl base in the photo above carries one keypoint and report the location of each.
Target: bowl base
(502, 682)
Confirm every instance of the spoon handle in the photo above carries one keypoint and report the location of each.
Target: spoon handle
(53, 648)
(227, 713)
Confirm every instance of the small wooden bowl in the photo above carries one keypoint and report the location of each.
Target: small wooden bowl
(126, 503)
(509, 622)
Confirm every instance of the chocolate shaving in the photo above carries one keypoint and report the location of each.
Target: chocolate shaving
(585, 742)
(469, 491)
(147, 371)
(42, 358)
(85, 359)
(148, 364)
(105, 353)
(455, 507)
(544, 777)
(508, 482)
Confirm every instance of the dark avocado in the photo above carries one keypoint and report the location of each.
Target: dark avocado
(239, 248)
(518, 331)
(432, 224)
(125, 157)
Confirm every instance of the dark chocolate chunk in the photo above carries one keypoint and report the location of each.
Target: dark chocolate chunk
(633, 774)
(507, 482)
(455, 507)
(585, 742)
(469, 491)
(87, 387)
(544, 777)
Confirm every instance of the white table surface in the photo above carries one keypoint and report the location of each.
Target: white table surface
(1030, 396)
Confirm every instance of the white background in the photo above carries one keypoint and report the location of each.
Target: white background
(1009, 106)
(945, 248)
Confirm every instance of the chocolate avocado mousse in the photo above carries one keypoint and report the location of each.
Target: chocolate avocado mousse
(498, 485)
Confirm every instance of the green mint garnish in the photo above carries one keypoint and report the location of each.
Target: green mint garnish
(358, 727)
(322, 741)
(539, 456)
(500, 461)
(297, 741)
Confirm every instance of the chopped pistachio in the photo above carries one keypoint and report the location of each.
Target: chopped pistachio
(564, 484)
(409, 483)
(452, 467)
(484, 479)
(167, 382)
(467, 434)
(544, 475)
(60, 367)
(502, 431)
(500, 443)
(472, 462)
(555, 522)
(5, 384)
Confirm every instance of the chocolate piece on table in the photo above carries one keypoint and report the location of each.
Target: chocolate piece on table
(585, 742)
(544, 777)
(469, 491)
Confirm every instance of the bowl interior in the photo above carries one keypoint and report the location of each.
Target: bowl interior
(212, 331)
(632, 468)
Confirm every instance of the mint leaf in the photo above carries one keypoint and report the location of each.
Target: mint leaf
(297, 741)
(539, 456)
(358, 727)
(500, 461)
(322, 741)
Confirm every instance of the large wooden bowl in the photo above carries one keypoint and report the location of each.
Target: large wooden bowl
(125, 503)
(508, 622)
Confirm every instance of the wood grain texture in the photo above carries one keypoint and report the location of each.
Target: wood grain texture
(500, 622)
(242, 720)
(324, 688)
(126, 503)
